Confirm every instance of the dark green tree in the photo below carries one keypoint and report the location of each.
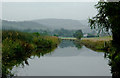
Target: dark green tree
(78, 34)
(108, 18)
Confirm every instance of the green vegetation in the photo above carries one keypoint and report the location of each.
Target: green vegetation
(0, 51)
(108, 18)
(17, 47)
(98, 43)
(63, 32)
(78, 34)
(105, 38)
(78, 44)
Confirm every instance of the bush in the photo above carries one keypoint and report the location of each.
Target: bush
(17, 47)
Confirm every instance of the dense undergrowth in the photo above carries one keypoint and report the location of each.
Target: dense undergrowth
(17, 47)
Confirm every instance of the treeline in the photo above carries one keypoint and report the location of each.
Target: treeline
(60, 33)
(57, 32)
(26, 26)
(17, 47)
(63, 32)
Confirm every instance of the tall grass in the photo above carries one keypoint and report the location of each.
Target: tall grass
(98, 43)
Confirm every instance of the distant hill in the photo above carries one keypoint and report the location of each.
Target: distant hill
(22, 25)
(61, 23)
(47, 24)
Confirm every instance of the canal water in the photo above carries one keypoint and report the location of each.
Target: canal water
(68, 59)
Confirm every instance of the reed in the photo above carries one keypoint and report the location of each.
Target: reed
(98, 43)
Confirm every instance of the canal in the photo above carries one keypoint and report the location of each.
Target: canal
(68, 59)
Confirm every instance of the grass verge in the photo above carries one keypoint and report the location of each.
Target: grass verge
(99, 44)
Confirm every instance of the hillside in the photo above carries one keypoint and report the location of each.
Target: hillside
(64, 23)
(47, 24)
(22, 25)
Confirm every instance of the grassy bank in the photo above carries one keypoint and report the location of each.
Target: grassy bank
(97, 43)
(17, 47)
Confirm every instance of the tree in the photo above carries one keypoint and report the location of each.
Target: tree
(78, 34)
(108, 18)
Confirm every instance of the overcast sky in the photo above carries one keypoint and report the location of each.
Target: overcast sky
(50, 0)
(40, 10)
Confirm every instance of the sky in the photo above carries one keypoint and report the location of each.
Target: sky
(50, 0)
(20, 11)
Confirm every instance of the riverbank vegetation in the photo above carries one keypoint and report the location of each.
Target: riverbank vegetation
(97, 43)
(17, 47)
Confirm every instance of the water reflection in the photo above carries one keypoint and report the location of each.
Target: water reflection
(68, 48)
(66, 43)
(69, 59)
(70, 43)
(9, 63)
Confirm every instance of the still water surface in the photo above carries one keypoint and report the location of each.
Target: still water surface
(66, 60)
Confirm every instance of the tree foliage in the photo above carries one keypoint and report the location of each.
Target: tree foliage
(108, 18)
(78, 34)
